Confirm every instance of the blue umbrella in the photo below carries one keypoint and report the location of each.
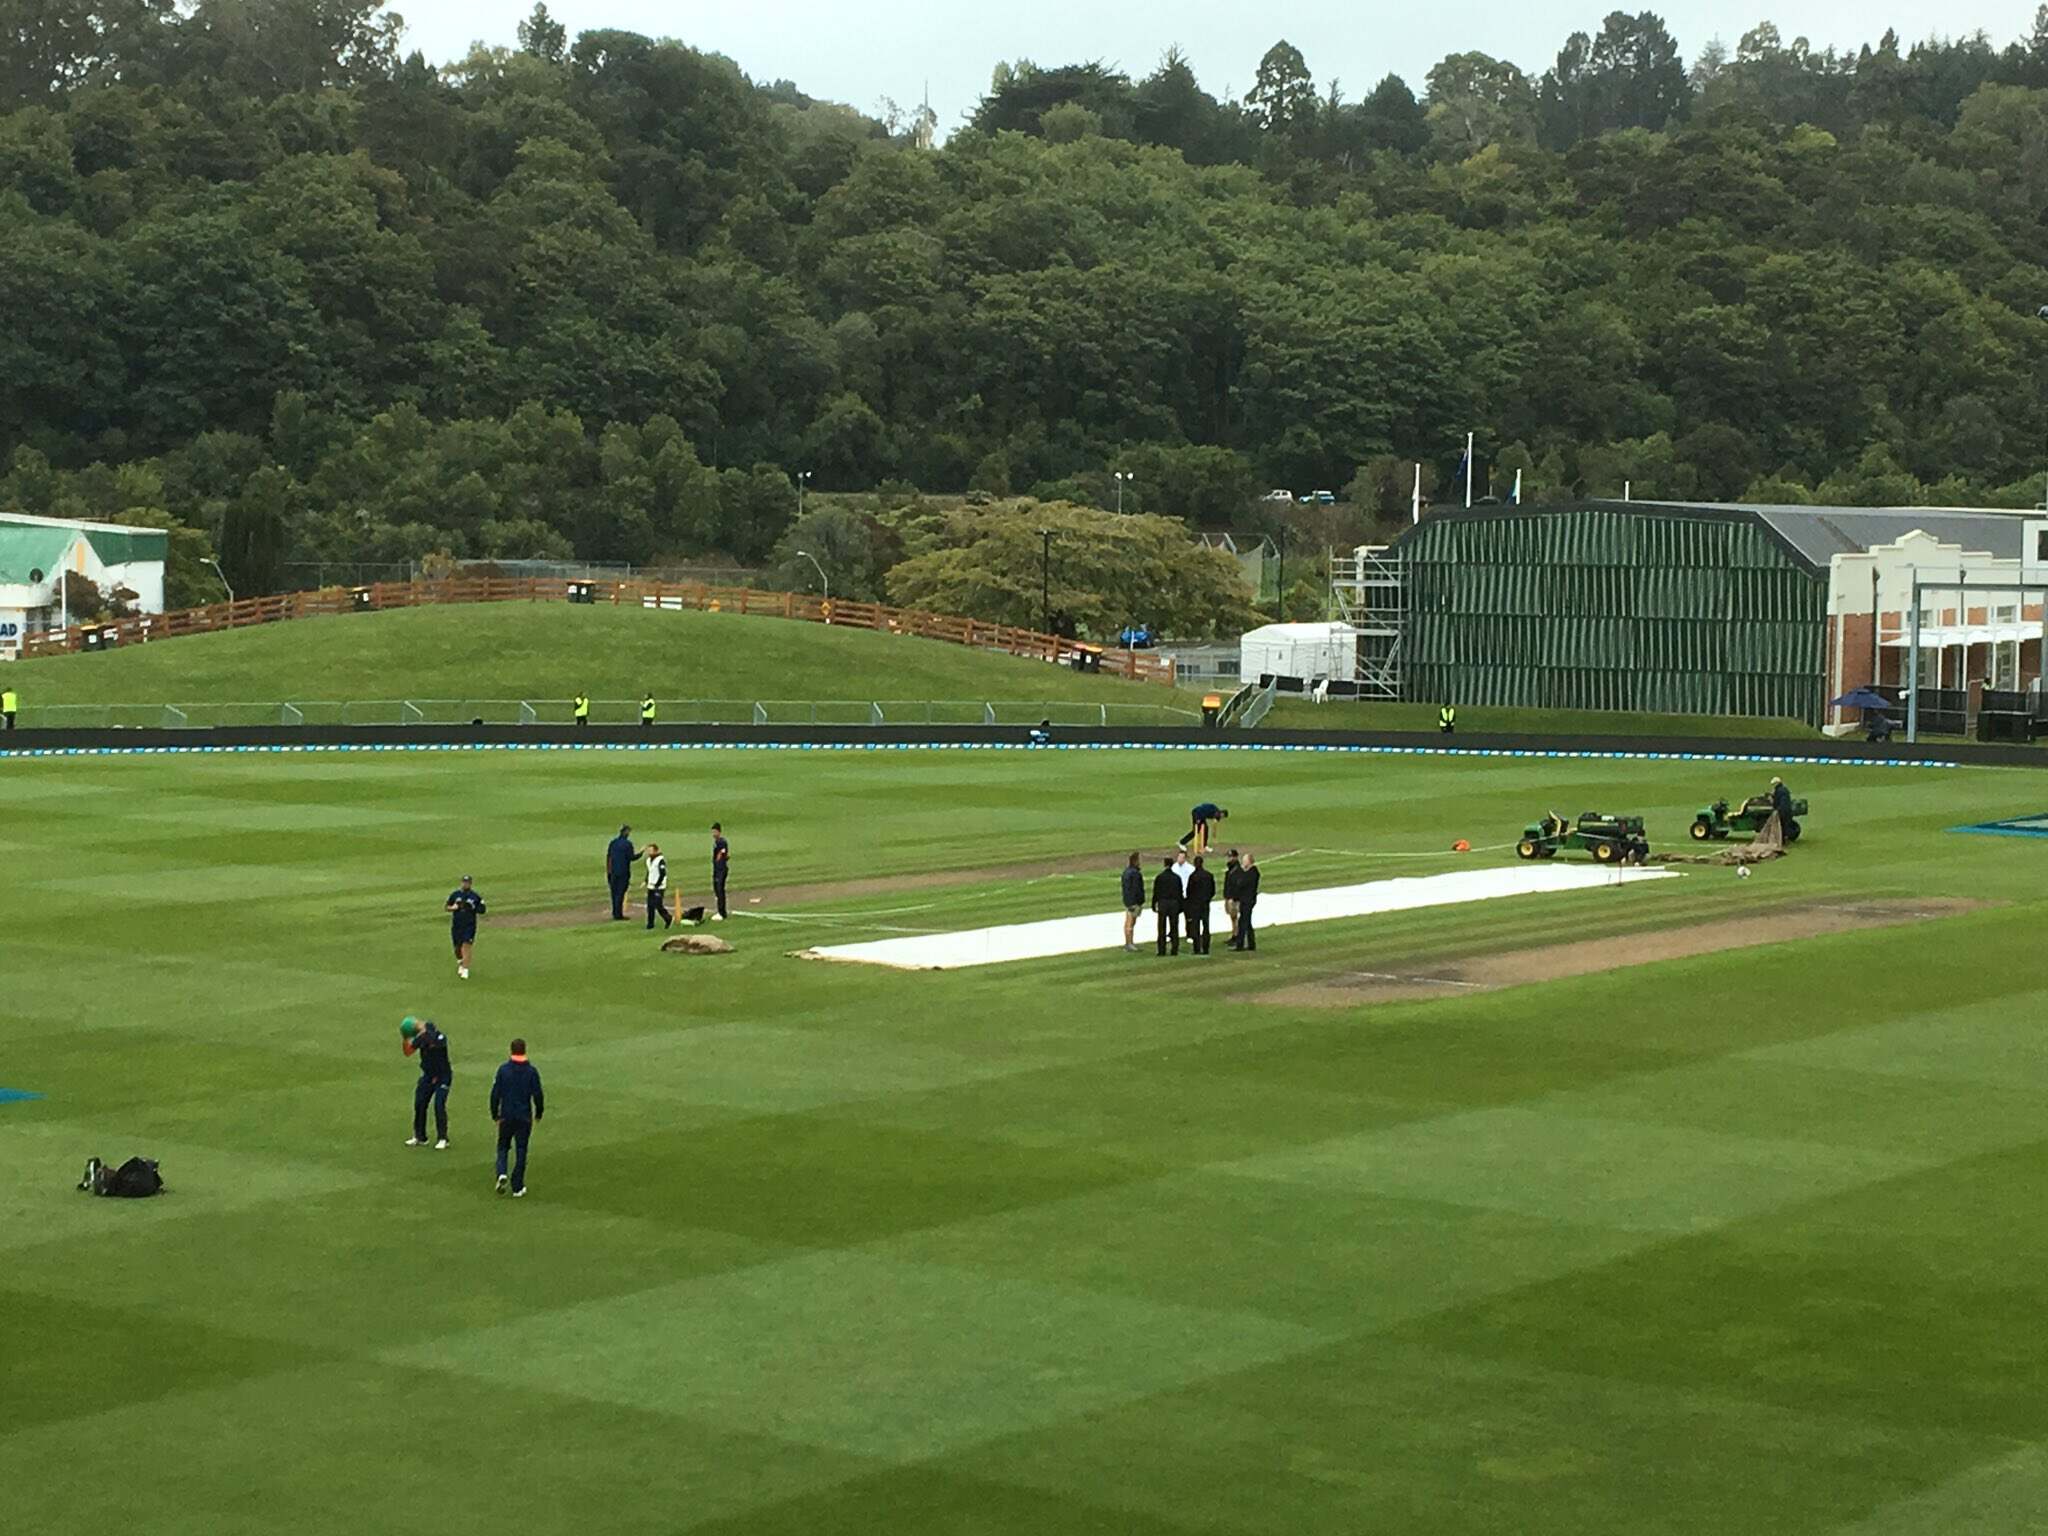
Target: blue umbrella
(1862, 698)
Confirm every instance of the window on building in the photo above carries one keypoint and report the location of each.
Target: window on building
(2005, 665)
(1930, 666)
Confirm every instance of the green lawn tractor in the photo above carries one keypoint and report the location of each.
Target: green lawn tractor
(1610, 839)
(1718, 821)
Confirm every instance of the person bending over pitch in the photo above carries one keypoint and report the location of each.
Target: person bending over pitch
(1203, 817)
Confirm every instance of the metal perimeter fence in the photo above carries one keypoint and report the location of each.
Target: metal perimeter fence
(438, 712)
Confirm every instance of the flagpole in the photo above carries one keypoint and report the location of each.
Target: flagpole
(1415, 501)
(1469, 466)
(1518, 487)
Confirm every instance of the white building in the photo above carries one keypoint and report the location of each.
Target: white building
(1980, 626)
(36, 551)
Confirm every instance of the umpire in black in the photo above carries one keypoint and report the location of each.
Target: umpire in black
(1247, 899)
(721, 866)
(1166, 904)
(1201, 891)
(619, 855)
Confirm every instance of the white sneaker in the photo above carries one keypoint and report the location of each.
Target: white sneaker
(718, 917)
(414, 1141)
(462, 971)
(503, 1183)
(441, 1145)
(519, 1194)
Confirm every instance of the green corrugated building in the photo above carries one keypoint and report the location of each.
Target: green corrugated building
(1667, 607)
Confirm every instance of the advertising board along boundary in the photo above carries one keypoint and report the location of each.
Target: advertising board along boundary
(1282, 909)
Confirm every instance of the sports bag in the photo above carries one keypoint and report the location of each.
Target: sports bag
(135, 1179)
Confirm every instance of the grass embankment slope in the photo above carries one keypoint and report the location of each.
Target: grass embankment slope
(1738, 1243)
(550, 651)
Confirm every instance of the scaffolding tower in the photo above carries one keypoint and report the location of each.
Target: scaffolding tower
(1369, 591)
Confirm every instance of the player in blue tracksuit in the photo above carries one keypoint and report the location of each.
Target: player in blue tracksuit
(517, 1105)
(435, 1076)
(619, 855)
(464, 907)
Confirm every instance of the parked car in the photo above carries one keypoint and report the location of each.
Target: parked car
(1137, 637)
(1325, 499)
(1277, 495)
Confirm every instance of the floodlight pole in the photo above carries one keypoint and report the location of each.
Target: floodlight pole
(801, 476)
(1913, 667)
(1122, 477)
(1045, 579)
(825, 580)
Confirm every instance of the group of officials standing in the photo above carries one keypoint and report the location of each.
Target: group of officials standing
(1182, 892)
(620, 857)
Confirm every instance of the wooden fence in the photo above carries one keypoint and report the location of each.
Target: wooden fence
(749, 601)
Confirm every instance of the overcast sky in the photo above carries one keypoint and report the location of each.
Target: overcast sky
(857, 53)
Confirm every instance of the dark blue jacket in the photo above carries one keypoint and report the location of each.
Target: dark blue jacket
(618, 860)
(468, 906)
(515, 1092)
(1134, 886)
(721, 857)
(1204, 812)
(432, 1048)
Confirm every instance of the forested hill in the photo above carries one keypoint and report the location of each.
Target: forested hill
(267, 275)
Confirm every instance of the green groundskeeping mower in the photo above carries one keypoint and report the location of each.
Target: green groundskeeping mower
(1718, 820)
(1610, 839)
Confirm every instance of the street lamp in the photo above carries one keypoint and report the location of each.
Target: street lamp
(801, 477)
(1122, 476)
(822, 577)
(1045, 580)
(223, 575)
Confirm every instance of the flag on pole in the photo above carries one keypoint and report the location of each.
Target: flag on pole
(1515, 496)
(1465, 468)
(1415, 501)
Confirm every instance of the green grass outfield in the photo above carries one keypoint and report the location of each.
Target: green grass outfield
(1727, 1245)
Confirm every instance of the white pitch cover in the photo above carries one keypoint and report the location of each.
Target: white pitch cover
(1280, 909)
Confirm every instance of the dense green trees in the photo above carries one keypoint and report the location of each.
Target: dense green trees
(1018, 562)
(601, 295)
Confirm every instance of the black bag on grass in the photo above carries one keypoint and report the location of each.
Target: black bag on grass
(135, 1179)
